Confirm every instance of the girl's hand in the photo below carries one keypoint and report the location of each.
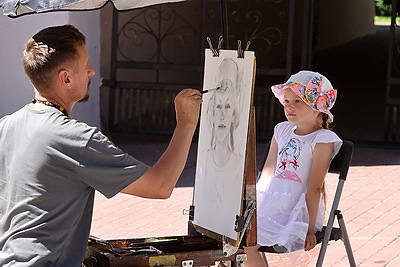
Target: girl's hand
(310, 241)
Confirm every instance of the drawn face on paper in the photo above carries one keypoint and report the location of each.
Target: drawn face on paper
(222, 108)
(224, 115)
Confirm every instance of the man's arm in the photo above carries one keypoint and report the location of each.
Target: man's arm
(159, 181)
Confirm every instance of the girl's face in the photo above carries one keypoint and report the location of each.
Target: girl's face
(296, 110)
(223, 115)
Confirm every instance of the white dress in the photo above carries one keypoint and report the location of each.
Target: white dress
(282, 214)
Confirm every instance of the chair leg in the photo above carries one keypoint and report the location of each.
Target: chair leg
(325, 241)
(322, 251)
(345, 238)
(264, 258)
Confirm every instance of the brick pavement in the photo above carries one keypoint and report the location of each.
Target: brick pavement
(370, 204)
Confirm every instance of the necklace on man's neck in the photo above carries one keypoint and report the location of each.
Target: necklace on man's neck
(50, 104)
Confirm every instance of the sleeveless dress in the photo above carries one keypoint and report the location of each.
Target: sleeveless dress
(282, 214)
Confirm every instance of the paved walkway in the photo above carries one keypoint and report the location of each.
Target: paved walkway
(370, 204)
(371, 199)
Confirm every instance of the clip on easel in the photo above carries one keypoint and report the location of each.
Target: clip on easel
(215, 51)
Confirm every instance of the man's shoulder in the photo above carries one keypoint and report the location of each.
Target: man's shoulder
(6, 119)
(75, 130)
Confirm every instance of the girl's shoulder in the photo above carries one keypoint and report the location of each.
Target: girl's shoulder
(284, 126)
(283, 131)
(326, 136)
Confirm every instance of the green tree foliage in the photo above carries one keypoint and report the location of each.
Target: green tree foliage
(383, 7)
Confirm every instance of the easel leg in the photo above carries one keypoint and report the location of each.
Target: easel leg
(239, 261)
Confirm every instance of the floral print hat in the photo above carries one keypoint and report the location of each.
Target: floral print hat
(313, 88)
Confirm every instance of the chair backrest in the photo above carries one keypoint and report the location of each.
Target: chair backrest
(341, 162)
(339, 165)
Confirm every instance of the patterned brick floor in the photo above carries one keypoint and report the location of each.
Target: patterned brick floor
(370, 204)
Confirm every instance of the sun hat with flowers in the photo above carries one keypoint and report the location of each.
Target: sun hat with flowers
(313, 88)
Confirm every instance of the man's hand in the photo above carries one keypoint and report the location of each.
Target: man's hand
(187, 107)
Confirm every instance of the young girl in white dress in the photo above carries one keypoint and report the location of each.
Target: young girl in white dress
(290, 191)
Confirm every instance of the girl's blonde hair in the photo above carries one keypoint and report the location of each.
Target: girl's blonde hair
(328, 126)
(325, 124)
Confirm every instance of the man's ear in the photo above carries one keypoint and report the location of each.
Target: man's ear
(64, 77)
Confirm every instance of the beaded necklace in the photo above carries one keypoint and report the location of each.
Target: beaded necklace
(50, 104)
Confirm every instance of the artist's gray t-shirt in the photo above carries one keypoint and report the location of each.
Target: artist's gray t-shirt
(50, 167)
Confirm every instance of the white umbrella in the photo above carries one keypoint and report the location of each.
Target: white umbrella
(14, 8)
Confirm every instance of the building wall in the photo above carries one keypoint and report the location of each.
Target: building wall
(341, 21)
(15, 88)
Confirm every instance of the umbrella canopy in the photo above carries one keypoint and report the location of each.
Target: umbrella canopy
(15, 8)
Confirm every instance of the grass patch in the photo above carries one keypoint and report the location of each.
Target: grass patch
(383, 20)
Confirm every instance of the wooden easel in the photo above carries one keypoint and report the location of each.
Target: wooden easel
(201, 247)
(247, 223)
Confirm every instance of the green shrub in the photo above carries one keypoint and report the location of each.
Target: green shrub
(383, 7)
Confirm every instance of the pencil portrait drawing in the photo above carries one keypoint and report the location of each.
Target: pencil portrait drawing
(222, 141)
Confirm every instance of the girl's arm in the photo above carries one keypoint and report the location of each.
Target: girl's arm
(270, 163)
(319, 168)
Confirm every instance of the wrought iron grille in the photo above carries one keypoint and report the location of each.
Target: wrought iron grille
(159, 50)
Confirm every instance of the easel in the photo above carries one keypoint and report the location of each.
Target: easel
(201, 247)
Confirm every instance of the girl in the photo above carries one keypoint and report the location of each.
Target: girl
(290, 191)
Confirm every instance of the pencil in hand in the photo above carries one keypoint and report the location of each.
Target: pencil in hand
(209, 90)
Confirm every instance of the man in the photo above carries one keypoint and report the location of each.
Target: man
(51, 165)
